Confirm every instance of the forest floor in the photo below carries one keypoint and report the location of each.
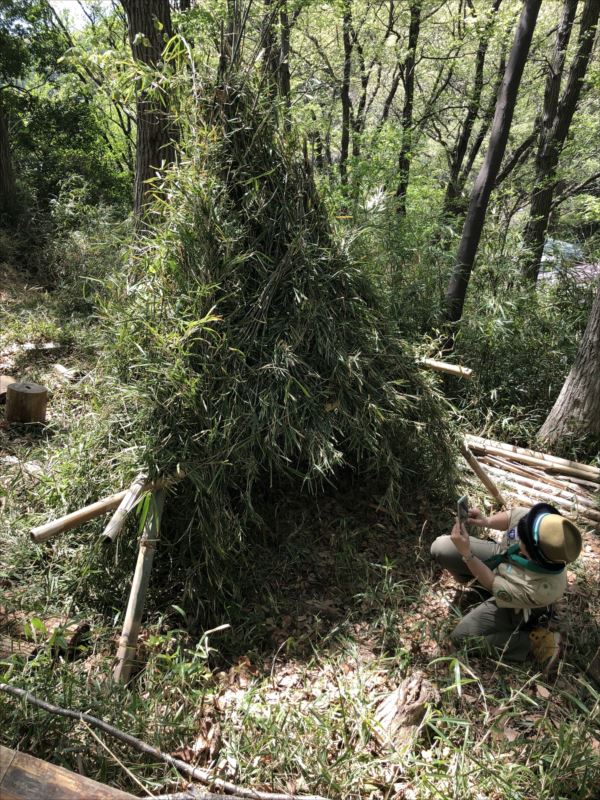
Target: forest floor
(342, 609)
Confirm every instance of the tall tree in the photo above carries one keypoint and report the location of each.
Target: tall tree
(577, 407)
(480, 195)
(149, 26)
(408, 73)
(557, 116)
(8, 190)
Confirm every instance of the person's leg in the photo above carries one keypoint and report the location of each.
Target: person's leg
(499, 627)
(448, 557)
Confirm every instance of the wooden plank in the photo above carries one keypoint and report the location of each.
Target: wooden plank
(27, 778)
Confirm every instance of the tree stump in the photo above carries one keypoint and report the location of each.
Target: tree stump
(399, 716)
(26, 402)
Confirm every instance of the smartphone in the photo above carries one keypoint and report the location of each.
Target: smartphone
(462, 508)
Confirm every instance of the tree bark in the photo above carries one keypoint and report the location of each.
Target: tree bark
(345, 92)
(8, 201)
(405, 155)
(459, 151)
(149, 25)
(558, 114)
(505, 106)
(577, 407)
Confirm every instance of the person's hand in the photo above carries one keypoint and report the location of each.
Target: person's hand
(477, 518)
(460, 539)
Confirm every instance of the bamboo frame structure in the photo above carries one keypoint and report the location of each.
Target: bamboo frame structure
(139, 588)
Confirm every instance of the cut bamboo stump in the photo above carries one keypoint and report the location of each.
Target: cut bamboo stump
(26, 402)
(139, 587)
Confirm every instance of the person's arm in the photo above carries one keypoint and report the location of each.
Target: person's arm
(498, 522)
(477, 568)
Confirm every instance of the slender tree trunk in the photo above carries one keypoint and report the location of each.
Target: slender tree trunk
(558, 115)
(577, 407)
(505, 106)
(149, 25)
(453, 190)
(345, 92)
(405, 155)
(284, 68)
(8, 192)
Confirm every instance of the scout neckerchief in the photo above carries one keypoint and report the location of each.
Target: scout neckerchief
(511, 556)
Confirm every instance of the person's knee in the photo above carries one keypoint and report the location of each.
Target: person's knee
(439, 548)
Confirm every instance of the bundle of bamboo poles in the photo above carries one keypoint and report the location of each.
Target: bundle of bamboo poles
(530, 477)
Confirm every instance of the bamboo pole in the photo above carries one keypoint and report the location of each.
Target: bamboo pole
(586, 512)
(534, 458)
(542, 487)
(534, 474)
(449, 369)
(482, 475)
(51, 529)
(203, 776)
(132, 496)
(139, 588)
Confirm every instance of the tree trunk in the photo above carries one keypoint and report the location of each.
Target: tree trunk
(345, 93)
(558, 115)
(577, 408)
(405, 155)
(505, 106)
(453, 188)
(8, 201)
(149, 25)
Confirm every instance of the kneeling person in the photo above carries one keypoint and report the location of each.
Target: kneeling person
(526, 571)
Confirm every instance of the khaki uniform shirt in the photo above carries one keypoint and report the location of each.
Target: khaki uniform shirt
(520, 588)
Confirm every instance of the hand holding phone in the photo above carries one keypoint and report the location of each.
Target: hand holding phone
(462, 508)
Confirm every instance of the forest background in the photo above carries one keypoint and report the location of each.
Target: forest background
(244, 225)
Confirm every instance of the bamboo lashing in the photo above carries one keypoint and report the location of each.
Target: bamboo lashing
(139, 588)
(49, 530)
(482, 474)
(534, 458)
(132, 496)
(448, 369)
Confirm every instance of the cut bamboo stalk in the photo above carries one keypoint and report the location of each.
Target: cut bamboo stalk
(588, 513)
(51, 529)
(482, 475)
(449, 369)
(542, 487)
(534, 474)
(132, 496)
(591, 485)
(139, 587)
(533, 458)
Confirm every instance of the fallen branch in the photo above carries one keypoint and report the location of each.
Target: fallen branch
(482, 475)
(195, 773)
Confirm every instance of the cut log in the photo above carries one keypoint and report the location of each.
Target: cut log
(26, 402)
(399, 715)
(5, 381)
(23, 777)
(139, 587)
(117, 520)
(534, 458)
(19, 636)
(448, 369)
(482, 475)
